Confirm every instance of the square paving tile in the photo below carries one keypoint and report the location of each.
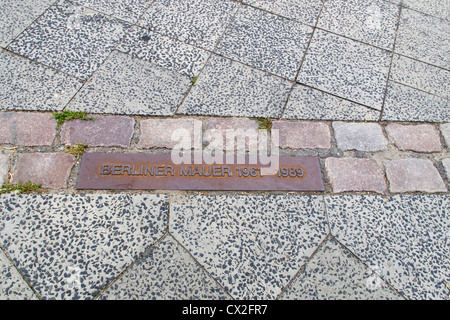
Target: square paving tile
(334, 273)
(437, 8)
(424, 37)
(15, 16)
(408, 104)
(197, 22)
(373, 22)
(72, 246)
(128, 10)
(127, 85)
(403, 238)
(164, 51)
(266, 42)
(305, 11)
(70, 38)
(228, 88)
(27, 85)
(420, 75)
(346, 68)
(312, 104)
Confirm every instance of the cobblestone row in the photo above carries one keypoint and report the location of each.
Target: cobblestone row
(381, 158)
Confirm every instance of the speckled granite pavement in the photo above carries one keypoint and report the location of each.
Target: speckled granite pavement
(367, 81)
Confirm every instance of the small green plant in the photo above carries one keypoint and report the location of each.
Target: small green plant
(194, 80)
(76, 150)
(66, 115)
(264, 124)
(20, 187)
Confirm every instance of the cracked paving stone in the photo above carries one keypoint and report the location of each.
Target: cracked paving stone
(333, 273)
(228, 88)
(12, 285)
(403, 238)
(252, 245)
(70, 38)
(166, 272)
(127, 85)
(27, 85)
(72, 246)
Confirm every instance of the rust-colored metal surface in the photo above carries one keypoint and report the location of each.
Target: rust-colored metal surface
(125, 171)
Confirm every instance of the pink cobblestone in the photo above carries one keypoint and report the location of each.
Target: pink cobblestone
(303, 134)
(420, 138)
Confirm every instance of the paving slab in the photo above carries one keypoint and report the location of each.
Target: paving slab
(27, 129)
(128, 10)
(70, 38)
(266, 41)
(346, 68)
(437, 8)
(12, 285)
(311, 104)
(306, 11)
(72, 246)
(27, 85)
(403, 238)
(372, 22)
(164, 51)
(414, 175)
(333, 273)
(424, 37)
(404, 103)
(166, 272)
(252, 245)
(359, 136)
(4, 168)
(228, 88)
(16, 16)
(198, 22)
(127, 85)
(420, 75)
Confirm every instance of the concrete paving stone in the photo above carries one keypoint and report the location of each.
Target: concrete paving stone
(348, 174)
(333, 273)
(197, 22)
(228, 88)
(51, 170)
(4, 168)
(27, 85)
(12, 285)
(166, 272)
(437, 8)
(157, 133)
(445, 130)
(215, 127)
(70, 38)
(27, 129)
(128, 10)
(359, 136)
(104, 131)
(346, 68)
(16, 16)
(252, 245)
(305, 11)
(127, 85)
(303, 134)
(266, 41)
(408, 104)
(414, 175)
(420, 138)
(403, 238)
(424, 38)
(311, 104)
(421, 76)
(72, 246)
(163, 51)
(372, 22)
(446, 164)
